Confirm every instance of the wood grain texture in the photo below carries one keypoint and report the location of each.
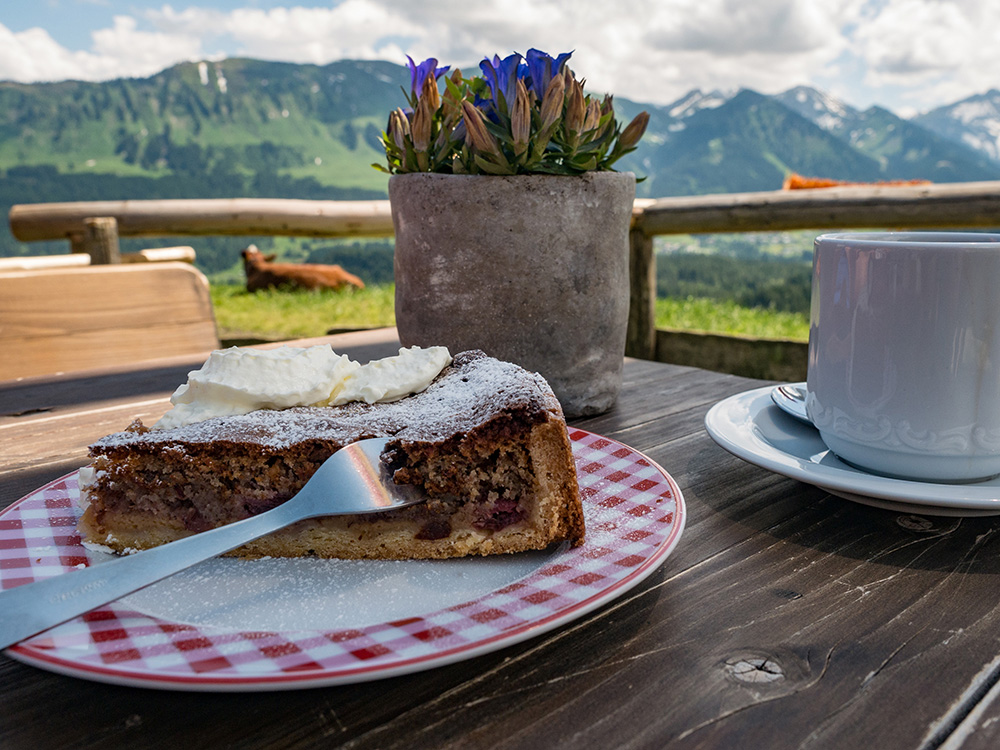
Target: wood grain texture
(965, 204)
(641, 340)
(73, 319)
(100, 239)
(969, 204)
(229, 216)
(785, 618)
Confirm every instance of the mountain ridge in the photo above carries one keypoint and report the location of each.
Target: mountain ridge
(974, 121)
(244, 127)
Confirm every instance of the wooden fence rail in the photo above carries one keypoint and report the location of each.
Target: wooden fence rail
(192, 217)
(956, 205)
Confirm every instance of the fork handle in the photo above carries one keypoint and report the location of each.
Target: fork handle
(34, 607)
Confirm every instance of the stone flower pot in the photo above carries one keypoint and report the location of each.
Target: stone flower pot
(530, 268)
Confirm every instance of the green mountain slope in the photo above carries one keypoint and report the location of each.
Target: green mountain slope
(907, 151)
(243, 116)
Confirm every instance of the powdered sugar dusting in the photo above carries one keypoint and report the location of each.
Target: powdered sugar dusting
(310, 594)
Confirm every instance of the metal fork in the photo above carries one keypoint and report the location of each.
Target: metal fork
(350, 481)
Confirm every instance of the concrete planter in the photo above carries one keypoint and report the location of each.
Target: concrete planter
(532, 269)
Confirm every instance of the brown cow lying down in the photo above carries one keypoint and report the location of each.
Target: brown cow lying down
(263, 274)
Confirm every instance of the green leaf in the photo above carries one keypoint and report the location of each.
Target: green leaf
(499, 132)
(491, 168)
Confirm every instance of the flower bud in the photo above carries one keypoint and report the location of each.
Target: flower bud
(593, 116)
(429, 93)
(420, 129)
(476, 134)
(552, 102)
(399, 128)
(633, 131)
(520, 119)
(575, 108)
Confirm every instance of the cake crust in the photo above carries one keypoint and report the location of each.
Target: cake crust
(486, 441)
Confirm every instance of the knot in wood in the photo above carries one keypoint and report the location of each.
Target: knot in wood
(915, 523)
(754, 669)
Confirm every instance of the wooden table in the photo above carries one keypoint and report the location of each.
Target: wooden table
(786, 617)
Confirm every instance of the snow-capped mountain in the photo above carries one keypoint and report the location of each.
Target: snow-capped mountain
(824, 110)
(974, 121)
(693, 102)
(696, 100)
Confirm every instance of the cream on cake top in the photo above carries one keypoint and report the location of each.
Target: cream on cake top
(239, 381)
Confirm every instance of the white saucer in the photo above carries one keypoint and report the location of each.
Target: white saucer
(750, 426)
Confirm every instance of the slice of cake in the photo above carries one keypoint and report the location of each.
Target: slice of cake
(486, 441)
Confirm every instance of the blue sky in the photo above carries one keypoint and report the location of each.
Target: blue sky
(907, 55)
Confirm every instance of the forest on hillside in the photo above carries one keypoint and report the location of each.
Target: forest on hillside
(750, 280)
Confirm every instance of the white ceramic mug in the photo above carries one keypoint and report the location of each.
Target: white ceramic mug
(904, 352)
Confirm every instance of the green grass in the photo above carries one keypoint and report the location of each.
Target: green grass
(276, 315)
(280, 314)
(705, 315)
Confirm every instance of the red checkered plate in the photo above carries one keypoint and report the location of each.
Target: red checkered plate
(239, 625)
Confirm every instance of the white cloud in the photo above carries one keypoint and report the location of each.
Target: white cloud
(732, 28)
(917, 52)
(119, 51)
(33, 55)
(937, 52)
(125, 47)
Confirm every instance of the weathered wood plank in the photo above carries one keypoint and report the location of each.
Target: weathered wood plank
(967, 204)
(775, 359)
(641, 338)
(976, 727)
(229, 216)
(183, 253)
(970, 204)
(37, 262)
(72, 319)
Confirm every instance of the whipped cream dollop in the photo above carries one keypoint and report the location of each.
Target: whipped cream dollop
(392, 378)
(239, 381)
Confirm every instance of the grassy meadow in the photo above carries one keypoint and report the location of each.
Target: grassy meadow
(276, 315)
(726, 317)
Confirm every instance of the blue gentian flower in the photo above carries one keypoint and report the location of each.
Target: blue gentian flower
(524, 114)
(419, 72)
(502, 75)
(541, 68)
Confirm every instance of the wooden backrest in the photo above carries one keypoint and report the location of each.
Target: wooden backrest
(60, 320)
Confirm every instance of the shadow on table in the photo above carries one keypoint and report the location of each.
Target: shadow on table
(18, 397)
(785, 509)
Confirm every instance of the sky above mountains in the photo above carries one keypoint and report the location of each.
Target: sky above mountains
(907, 55)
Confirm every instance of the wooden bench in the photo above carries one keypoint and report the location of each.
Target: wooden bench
(69, 319)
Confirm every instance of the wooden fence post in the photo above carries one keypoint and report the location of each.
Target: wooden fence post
(641, 338)
(100, 240)
(76, 244)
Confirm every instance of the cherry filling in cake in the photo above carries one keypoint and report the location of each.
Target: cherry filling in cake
(486, 442)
